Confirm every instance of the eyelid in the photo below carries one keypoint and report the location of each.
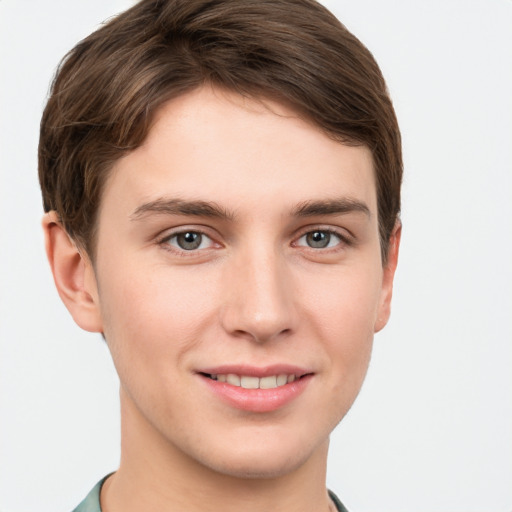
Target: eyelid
(346, 238)
(163, 239)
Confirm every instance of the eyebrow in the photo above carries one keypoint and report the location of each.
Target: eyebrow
(181, 207)
(199, 208)
(331, 207)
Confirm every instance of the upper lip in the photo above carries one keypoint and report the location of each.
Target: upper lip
(254, 371)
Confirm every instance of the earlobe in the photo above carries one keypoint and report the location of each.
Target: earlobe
(73, 275)
(388, 278)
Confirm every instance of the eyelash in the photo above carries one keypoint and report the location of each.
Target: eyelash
(344, 241)
(164, 242)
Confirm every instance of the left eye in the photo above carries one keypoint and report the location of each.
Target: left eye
(190, 241)
(319, 239)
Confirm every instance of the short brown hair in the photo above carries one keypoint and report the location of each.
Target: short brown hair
(108, 88)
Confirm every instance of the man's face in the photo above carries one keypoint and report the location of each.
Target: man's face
(239, 244)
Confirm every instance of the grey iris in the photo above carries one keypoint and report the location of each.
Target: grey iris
(189, 240)
(318, 239)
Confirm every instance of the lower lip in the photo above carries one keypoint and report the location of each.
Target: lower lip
(258, 400)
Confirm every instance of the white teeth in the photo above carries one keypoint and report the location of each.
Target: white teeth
(251, 382)
(282, 379)
(233, 379)
(268, 382)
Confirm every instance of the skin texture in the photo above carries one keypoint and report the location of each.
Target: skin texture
(253, 293)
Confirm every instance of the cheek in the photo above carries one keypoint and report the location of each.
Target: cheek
(344, 313)
(154, 316)
(345, 300)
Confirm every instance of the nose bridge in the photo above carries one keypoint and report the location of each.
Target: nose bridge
(260, 299)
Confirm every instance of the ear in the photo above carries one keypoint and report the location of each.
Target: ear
(73, 274)
(388, 277)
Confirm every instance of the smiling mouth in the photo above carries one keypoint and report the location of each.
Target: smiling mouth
(252, 382)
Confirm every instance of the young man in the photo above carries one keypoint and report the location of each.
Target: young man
(222, 187)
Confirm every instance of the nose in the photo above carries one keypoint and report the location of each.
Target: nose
(260, 303)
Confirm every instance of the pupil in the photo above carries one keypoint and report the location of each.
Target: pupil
(189, 241)
(318, 239)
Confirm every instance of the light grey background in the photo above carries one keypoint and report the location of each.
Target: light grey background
(432, 429)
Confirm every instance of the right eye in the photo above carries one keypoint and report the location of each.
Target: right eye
(189, 241)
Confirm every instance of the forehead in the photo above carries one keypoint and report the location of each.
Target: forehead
(217, 145)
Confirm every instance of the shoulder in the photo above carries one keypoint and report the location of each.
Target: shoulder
(339, 506)
(91, 503)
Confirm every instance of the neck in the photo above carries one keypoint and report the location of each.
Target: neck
(156, 475)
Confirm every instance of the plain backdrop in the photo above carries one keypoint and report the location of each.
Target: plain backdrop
(432, 428)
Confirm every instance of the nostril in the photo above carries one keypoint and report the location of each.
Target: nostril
(259, 313)
(261, 335)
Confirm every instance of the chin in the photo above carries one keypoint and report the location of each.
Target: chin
(266, 460)
(269, 467)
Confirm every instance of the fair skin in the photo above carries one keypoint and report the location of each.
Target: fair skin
(237, 240)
